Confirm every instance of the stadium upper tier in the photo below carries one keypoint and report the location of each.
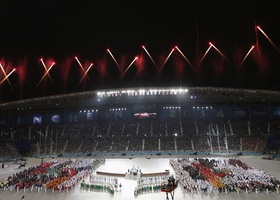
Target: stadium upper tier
(146, 96)
(121, 120)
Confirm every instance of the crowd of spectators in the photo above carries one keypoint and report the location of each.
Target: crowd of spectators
(145, 136)
(8, 150)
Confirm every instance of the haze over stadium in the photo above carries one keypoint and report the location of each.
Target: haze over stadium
(50, 47)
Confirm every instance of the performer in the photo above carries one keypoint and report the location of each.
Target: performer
(171, 181)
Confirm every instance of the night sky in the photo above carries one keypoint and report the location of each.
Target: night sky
(48, 31)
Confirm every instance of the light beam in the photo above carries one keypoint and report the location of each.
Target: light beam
(114, 59)
(46, 73)
(247, 55)
(204, 55)
(129, 66)
(167, 59)
(82, 67)
(219, 52)
(150, 56)
(278, 50)
(184, 56)
(5, 74)
(6, 77)
(46, 69)
(85, 74)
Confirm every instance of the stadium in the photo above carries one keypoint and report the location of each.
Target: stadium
(182, 102)
(139, 121)
(124, 132)
(56, 142)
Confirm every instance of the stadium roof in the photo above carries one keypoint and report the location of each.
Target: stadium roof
(209, 95)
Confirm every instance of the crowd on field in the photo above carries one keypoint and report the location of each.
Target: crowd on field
(55, 174)
(221, 175)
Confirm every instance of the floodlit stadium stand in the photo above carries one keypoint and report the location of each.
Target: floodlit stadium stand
(143, 121)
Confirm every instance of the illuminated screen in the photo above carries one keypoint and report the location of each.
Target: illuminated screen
(145, 115)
